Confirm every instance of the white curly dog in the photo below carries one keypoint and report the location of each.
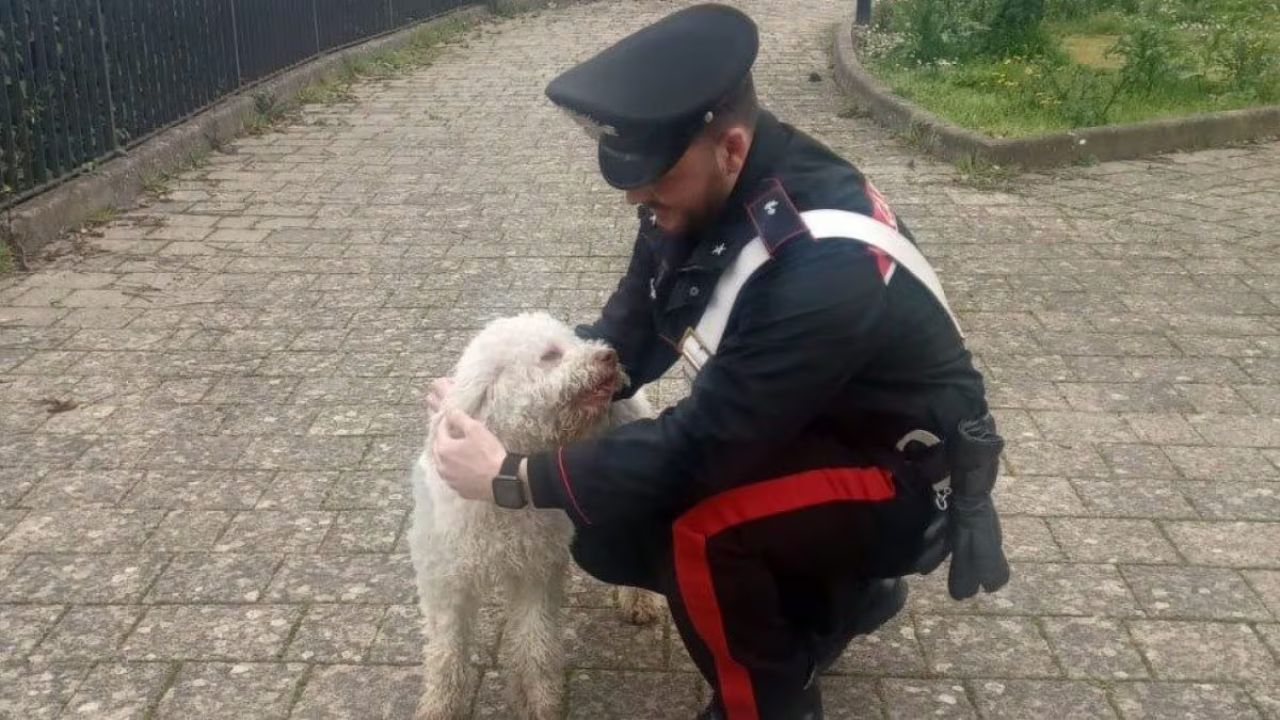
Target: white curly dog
(536, 385)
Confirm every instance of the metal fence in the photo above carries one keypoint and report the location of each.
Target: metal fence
(81, 80)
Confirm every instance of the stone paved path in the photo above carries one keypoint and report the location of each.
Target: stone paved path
(217, 528)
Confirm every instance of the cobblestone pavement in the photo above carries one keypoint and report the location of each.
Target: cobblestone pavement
(216, 528)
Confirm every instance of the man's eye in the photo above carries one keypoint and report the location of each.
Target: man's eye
(552, 355)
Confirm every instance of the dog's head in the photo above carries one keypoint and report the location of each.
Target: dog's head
(535, 383)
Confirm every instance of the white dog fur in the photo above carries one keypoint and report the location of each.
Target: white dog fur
(536, 386)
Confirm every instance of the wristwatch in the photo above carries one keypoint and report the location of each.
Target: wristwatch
(508, 490)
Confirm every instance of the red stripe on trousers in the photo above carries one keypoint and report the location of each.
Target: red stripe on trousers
(742, 505)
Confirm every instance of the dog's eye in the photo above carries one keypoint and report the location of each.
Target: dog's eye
(552, 355)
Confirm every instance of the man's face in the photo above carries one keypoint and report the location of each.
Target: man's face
(690, 194)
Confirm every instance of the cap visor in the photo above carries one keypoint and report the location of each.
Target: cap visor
(627, 171)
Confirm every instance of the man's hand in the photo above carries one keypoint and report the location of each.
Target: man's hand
(436, 393)
(467, 455)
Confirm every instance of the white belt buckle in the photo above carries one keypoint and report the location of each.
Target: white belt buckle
(694, 353)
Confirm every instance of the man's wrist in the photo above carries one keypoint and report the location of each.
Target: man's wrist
(540, 480)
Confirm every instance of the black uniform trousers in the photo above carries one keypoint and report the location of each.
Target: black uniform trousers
(767, 580)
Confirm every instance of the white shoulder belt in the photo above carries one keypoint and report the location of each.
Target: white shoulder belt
(700, 343)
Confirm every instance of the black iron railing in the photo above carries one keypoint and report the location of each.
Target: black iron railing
(862, 12)
(81, 80)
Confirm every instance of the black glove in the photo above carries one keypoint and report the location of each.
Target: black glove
(977, 555)
(936, 545)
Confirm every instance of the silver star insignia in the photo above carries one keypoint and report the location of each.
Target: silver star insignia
(718, 250)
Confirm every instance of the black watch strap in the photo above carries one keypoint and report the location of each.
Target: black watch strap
(508, 491)
(511, 466)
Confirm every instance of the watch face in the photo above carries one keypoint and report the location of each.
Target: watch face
(508, 493)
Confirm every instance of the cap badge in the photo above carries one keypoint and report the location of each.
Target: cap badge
(593, 129)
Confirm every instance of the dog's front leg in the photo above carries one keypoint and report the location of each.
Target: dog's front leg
(449, 608)
(534, 640)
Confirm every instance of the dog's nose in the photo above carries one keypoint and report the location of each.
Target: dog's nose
(607, 357)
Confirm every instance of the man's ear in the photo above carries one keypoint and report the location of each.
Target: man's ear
(732, 151)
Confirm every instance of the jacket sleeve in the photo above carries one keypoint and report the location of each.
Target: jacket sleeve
(801, 329)
(627, 323)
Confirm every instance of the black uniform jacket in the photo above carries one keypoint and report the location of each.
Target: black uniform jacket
(826, 337)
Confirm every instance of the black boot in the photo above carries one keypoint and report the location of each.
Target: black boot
(811, 707)
(876, 606)
(883, 600)
(711, 712)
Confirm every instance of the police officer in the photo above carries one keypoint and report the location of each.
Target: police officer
(834, 415)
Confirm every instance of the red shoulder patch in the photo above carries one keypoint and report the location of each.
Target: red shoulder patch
(880, 207)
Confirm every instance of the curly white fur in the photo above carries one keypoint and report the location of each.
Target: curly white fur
(536, 386)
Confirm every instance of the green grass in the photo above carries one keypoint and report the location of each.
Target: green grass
(267, 114)
(6, 259)
(980, 174)
(330, 90)
(999, 114)
(1092, 50)
(1175, 101)
(102, 216)
(1006, 113)
(1100, 66)
(1251, 11)
(423, 48)
(1108, 22)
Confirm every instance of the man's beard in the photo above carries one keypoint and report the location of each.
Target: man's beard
(702, 218)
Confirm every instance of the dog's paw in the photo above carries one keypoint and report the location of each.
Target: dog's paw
(539, 703)
(433, 706)
(446, 690)
(639, 607)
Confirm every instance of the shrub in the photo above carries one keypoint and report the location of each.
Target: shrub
(1245, 57)
(1074, 9)
(1017, 28)
(935, 30)
(1152, 58)
(1081, 96)
(925, 23)
(1209, 11)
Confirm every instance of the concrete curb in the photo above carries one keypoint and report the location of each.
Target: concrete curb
(1108, 142)
(118, 182)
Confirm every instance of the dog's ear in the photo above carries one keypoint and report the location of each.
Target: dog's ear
(472, 394)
